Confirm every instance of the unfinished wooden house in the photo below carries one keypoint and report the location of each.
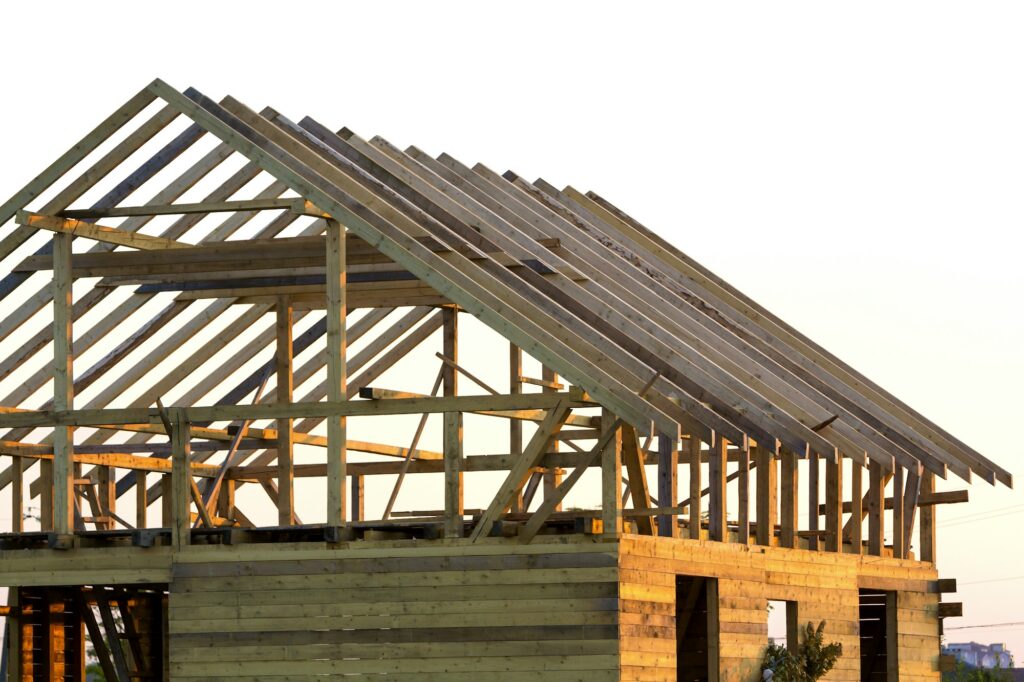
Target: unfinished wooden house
(208, 412)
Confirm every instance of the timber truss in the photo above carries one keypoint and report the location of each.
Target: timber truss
(648, 358)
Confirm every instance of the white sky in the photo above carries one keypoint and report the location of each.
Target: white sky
(856, 169)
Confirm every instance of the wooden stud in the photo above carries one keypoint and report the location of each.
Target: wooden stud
(743, 493)
(17, 497)
(181, 479)
(856, 522)
(453, 488)
(633, 458)
(668, 482)
(141, 500)
(927, 528)
(336, 372)
(790, 499)
(515, 427)
(63, 385)
(696, 487)
(834, 506)
(358, 498)
(717, 465)
(910, 503)
(285, 456)
(767, 500)
(551, 477)
(106, 485)
(611, 481)
(813, 492)
(898, 544)
(876, 509)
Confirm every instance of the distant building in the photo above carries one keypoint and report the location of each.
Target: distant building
(981, 655)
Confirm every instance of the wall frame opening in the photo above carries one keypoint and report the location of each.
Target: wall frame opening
(696, 629)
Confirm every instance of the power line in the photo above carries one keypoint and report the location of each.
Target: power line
(993, 580)
(982, 516)
(988, 625)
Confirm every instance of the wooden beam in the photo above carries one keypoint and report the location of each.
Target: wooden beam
(100, 233)
(520, 470)
(717, 464)
(285, 383)
(296, 205)
(611, 481)
(856, 507)
(336, 372)
(668, 482)
(63, 385)
(452, 436)
(743, 493)
(813, 493)
(910, 504)
(790, 499)
(876, 509)
(898, 541)
(181, 476)
(834, 506)
(695, 486)
(767, 500)
(928, 514)
(632, 457)
(515, 427)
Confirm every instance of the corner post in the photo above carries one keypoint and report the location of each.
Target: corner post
(336, 372)
(453, 491)
(181, 475)
(63, 385)
(285, 462)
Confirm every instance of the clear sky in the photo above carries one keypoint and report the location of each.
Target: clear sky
(857, 168)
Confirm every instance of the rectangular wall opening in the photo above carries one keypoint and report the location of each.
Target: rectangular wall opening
(696, 628)
(878, 644)
(783, 624)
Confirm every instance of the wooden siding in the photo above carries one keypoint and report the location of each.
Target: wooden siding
(824, 585)
(437, 611)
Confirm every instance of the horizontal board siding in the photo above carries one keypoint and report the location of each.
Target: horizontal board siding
(459, 613)
(825, 585)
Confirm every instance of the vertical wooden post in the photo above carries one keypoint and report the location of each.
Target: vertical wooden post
(743, 457)
(668, 483)
(515, 426)
(181, 475)
(453, 491)
(834, 505)
(17, 496)
(813, 504)
(717, 466)
(226, 499)
(790, 503)
(910, 497)
(696, 486)
(141, 500)
(336, 372)
(927, 529)
(166, 500)
(898, 477)
(611, 481)
(767, 495)
(553, 476)
(358, 499)
(285, 384)
(856, 507)
(107, 485)
(876, 508)
(63, 385)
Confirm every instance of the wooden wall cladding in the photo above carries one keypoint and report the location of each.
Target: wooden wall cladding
(824, 585)
(433, 612)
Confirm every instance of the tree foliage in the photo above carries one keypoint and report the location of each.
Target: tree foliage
(812, 660)
(965, 673)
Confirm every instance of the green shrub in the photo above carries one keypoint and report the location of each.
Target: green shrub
(812, 660)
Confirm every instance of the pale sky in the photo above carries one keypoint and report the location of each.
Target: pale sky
(854, 168)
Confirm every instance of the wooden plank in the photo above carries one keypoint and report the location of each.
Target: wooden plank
(100, 233)
(790, 499)
(767, 491)
(695, 487)
(668, 482)
(876, 509)
(910, 503)
(813, 492)
(611, 480)
(452, 435)
(834, 506)
(181, 476)
(283, 395)
(717, 464)
(520, 469)
(515, 427)
(63, 385)
(898, 544)
(856, 508)
(743, 494)
(927, 528)
(298, 205)
(336, 371)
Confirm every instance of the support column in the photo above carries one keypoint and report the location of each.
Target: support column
(336, 373)
(927, 529)
(898, 478)
(876, 508)
(453, 491)
(358, 499)
(515, 426)
(695, 486)
(17, 496)
(813, 506)
(717, 464)
(856, 507)
(553, 476)
(834, 504)
(767, 495)
(743, 456)
(106, 483)
(181, 475)
(63, 385)
(668, 483)
(141, 500)
(611, 480)
(790, 502)
(285, 462)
